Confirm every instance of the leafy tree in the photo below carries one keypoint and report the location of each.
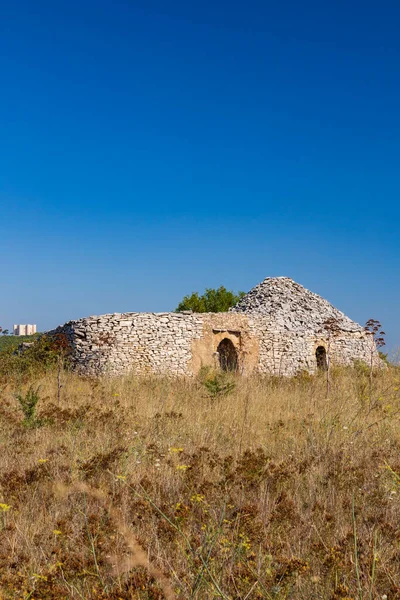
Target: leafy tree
(213, 300)
(5, 332)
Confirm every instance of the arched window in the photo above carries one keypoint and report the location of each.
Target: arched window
(228, 358)
(320, 355)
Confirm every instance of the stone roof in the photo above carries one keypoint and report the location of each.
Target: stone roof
(292, 307)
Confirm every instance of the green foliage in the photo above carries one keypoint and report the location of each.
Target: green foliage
(217, 383)
(384, 356)
(11, 342)
(33, 361)
(219, 386)
(213, 300)
(28, 406)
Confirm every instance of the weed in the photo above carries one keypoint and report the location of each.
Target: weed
(28, 404)
(219, 384)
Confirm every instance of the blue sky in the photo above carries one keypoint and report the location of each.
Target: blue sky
(149, 149)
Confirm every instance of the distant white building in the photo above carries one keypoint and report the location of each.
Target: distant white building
(24, 329)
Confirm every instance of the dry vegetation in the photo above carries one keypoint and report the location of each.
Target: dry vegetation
(152, 489)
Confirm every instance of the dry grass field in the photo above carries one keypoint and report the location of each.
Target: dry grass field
(156, 488)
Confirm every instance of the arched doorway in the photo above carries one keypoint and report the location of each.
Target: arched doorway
(228, 358)
(320, 355)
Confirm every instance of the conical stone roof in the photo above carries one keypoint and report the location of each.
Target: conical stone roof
(292, 307)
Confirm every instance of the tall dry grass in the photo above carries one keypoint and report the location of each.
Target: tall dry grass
(149, 489)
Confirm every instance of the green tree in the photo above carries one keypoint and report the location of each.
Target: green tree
(213, 300)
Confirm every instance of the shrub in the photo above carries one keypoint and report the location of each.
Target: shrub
(11, 342)
(28, 406)
(217, 383)
(26, 363)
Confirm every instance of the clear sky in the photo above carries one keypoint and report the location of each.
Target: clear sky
(149, 149)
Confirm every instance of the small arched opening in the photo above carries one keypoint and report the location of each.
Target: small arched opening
(320, 355)
(228, 357)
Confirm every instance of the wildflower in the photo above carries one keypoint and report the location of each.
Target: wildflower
(4, 507)
(57, 532)
(42, 577)
(175, 450)
(182, 467)
(43, 460)
(121, 477)
(225, 542)
(115, 395)
(197, 498)
(245, 543)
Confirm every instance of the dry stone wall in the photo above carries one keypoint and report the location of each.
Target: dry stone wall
(284, 352)
(143, 342)
(275, 329)
(180, 344)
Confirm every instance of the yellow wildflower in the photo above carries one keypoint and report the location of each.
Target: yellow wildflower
(4, 507)
(197, 498)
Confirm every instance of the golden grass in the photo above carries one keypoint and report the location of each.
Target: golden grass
(150, 489)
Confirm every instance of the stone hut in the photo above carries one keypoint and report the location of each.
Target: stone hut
(278, 328)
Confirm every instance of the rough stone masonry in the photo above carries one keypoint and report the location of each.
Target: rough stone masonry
(278, 328)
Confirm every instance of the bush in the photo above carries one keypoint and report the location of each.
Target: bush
(384, 356)
(24, 364)
(11, 342)
(28, 405)
(217, 383)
